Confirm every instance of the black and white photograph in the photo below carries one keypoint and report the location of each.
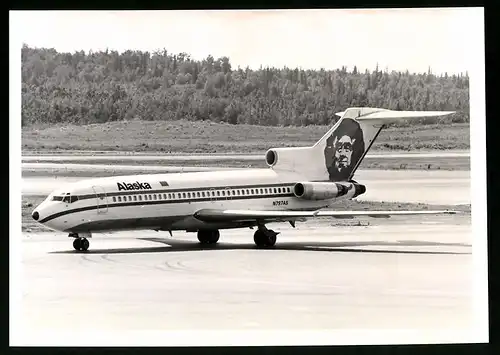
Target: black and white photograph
(248, 177)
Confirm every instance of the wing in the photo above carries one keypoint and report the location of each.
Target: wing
(213, 215)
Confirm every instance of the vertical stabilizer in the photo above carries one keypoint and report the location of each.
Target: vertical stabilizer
(337, 155)
(347, 143)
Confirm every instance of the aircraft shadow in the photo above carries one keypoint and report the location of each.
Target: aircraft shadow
(336, 247)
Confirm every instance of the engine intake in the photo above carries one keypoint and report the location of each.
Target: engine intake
(271, 157)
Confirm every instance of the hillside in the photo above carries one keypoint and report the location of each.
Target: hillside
(98, 87)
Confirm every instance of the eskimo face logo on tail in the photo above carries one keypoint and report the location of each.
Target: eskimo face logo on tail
(133, 186)
(343, 149)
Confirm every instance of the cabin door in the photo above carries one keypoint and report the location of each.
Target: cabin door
(101, 198)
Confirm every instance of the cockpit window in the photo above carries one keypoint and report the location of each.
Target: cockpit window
(67, 198)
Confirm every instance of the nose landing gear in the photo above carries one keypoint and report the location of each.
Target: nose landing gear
(80, 243)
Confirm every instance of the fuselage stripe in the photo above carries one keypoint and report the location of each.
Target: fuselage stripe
(105, 204)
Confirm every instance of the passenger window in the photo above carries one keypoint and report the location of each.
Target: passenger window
(164, 196)
(275, 191)
(184, 195)
(218, 193)
(203, 193)
(114, 199)
(119, 199)
(135, 197)
(234, 192)
(140, 197)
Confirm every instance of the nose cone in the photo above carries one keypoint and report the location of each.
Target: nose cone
(35, 215)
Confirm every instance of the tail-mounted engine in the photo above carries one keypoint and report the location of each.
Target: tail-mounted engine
(328, 190)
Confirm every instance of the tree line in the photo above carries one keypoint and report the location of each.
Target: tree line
(104, 86)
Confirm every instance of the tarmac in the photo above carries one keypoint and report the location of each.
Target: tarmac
(402, 280)
(413, 275)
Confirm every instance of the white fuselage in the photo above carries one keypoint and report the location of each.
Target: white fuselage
(168, 201)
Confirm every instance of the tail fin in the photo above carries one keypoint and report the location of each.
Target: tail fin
(337, 155)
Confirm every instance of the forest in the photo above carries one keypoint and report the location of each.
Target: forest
(106, 86)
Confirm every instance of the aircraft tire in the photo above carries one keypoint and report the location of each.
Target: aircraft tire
(263, 239)
(77, 244)
(271, 238)
(85, 244)
(81, 244)
(208, 237)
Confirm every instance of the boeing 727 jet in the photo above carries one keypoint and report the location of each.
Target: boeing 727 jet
(299, 183)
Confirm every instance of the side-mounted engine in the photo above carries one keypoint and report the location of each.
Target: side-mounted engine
(328, 190)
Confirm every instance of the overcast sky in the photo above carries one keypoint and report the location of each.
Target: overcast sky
(401, 39)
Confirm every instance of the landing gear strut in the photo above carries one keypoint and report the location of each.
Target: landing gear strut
(264, 237)
(208, 236)
(80, 243)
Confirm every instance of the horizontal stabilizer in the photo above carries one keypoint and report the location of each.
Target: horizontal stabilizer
(361, 114)
(403, 114)
(212, 215)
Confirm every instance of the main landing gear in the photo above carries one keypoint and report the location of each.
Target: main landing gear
(264, 237)
(80, 243)
(208, 236)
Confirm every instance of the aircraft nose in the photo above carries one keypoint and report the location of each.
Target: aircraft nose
(35, 215)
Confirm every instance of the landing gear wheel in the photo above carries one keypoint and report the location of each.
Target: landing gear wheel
(85, 244)
(81, 244)
(208, 237)
(263, 239)
(271, 239)
(77, 243)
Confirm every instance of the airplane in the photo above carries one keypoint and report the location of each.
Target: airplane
(299, 183)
